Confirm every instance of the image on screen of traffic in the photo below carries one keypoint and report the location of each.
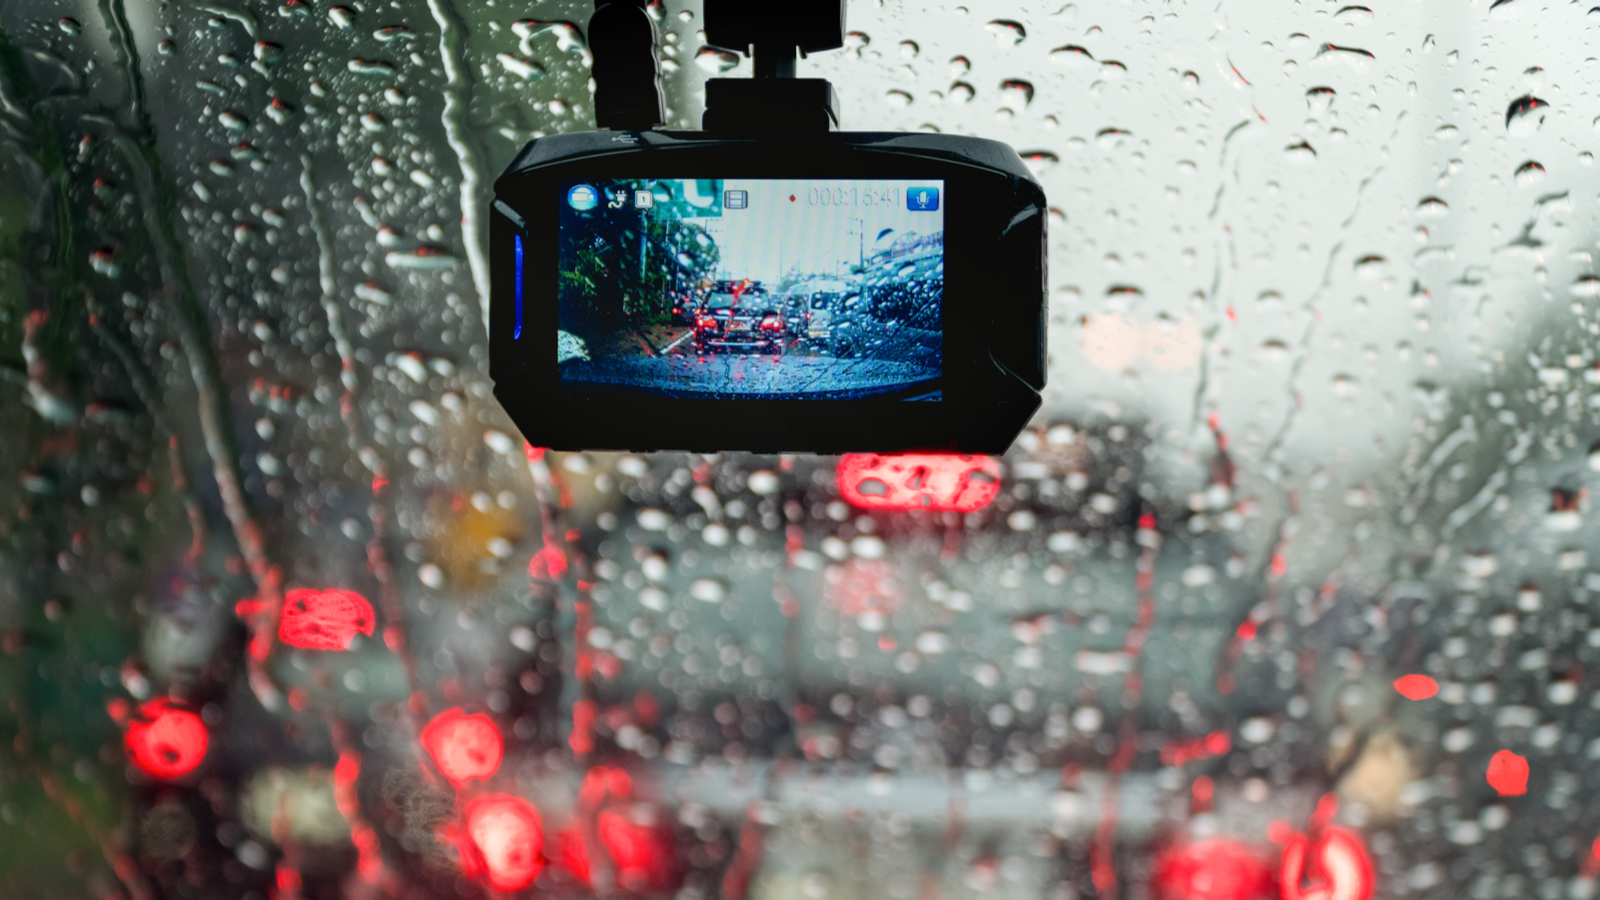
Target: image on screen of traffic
(757, 289)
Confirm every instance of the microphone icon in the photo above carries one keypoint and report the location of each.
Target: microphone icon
(922, 199)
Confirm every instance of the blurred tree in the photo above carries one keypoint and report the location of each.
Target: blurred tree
(622, 268)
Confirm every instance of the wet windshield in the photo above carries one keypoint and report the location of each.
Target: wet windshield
(1286, 592)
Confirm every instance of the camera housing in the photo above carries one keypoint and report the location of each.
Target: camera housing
(769, 284)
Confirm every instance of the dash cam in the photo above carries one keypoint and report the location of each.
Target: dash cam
(769, 283)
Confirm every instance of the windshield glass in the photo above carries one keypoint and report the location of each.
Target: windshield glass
(1284, 593)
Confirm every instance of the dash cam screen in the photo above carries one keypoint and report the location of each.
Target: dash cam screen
(753, 289)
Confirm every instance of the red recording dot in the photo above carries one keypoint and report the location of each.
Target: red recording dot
(791, 198)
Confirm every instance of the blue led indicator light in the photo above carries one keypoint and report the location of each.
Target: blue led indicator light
(516, 332)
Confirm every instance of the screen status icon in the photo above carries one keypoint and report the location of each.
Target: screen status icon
(582, 197)
(735, 199)
(643, 199)
(922, 199)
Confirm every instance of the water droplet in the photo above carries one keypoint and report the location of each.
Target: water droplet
(233, 121)
(715, 61)
(1007, 32)
(279, 111)
(394, 96)
(294, 9)
(221, 167)
(343, 16)
(244, 233)
(1585, 286)
(1505, 9)
(1353, 56)
(567, 35)
(229, 60)
(1432, 206)
(1039, 161)
(528, 70)
(374, 122)
(1318, 99)
(1111, 137)
(1073, 56)
(1529, 173)
(268, 52)
(1019, 88)
(856, 40)
(708, 590)
(393, 33)
(424, 257)
(1525, 115)
(961, 92)
(372, 292)
(897, 98)
(1352, 16)
(1112, 69)
(1301, 152)
(105, 262)
(166, 48)
(210, 87)
(373, 67)
(909, 49)
(1371, 265)
(960, 65)
(245, 151)
(71, 26)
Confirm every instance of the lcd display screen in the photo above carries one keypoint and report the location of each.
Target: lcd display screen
(752, 288)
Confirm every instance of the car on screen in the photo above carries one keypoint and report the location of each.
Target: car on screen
(683, 308)
(824, 298)
(741, 316)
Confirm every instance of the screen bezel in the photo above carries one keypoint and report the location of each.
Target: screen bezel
(977, 203)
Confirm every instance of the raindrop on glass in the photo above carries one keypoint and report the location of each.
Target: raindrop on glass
(1529, 173)
(1017, 88)
(1039, 161)
(715, 61)
(1073, 56)
(1525, 115)
(1007, 32)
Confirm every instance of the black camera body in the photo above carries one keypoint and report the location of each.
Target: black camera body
(777, 287)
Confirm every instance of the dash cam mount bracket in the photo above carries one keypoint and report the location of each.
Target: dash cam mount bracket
(774, 100)
(627, 67)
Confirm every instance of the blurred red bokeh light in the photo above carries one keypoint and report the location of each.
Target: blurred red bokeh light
(1416, 687)
(503, 841)
(165, 741)
(640, 852)
(1508, 774)
(324, 620)
(1339, 859)
(926, 481)
(1215, 869)
(463, 747)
